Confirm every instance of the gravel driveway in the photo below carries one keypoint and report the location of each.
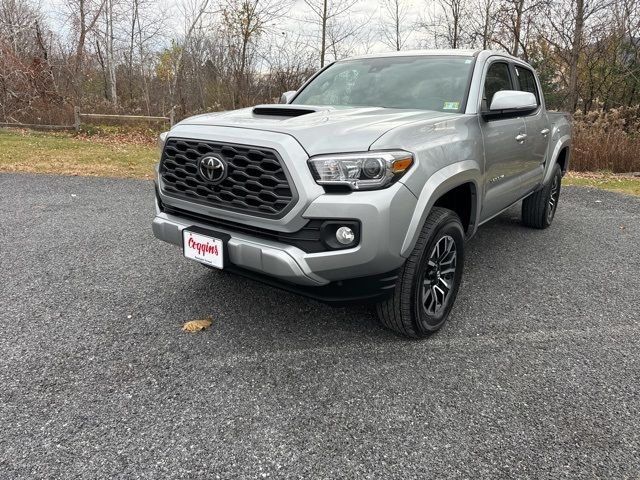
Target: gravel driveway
(536, 374)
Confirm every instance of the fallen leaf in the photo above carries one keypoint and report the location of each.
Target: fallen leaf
(196, 325)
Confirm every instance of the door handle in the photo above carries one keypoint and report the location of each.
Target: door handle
(545, 132)
(521, 137)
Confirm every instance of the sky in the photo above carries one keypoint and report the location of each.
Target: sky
(297, 21)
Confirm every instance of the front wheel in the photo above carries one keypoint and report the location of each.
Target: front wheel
(428, 282)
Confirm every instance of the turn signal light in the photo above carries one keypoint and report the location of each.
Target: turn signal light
(401, 165)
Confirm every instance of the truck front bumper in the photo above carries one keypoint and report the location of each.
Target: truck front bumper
(260, 255)
(383, 215)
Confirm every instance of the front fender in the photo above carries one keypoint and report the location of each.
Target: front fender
(443, 180)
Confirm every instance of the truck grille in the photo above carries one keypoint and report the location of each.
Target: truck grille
(255, 181)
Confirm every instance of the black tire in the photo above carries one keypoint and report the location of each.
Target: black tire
(539, 208)
(405, 311)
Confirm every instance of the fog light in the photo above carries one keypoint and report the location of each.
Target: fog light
(345, 235)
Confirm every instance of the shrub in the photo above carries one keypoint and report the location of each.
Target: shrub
(607, 140)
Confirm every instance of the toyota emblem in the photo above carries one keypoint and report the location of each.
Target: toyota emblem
(212, 168)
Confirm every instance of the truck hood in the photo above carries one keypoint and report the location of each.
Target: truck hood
(320, 129)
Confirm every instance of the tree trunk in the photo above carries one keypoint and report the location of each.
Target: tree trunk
(105, 78)
(78, 67)
(324, 34)
(397, 25)
(132, 46)
(455, 33)
(485, 27)
(517, 27)
(111, 63)
(241, 84)
(575, 55)
(178, 64)
(145, 87)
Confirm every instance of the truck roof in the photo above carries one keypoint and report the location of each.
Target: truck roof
(413, 53)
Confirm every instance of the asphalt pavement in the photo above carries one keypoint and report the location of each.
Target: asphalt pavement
(536, 374)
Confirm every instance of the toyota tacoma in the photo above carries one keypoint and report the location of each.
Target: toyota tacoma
(364, 184)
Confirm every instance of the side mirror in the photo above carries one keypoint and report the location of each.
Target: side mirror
(287, 96)
(511, 102)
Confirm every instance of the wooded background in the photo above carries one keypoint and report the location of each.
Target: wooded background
(146, 57)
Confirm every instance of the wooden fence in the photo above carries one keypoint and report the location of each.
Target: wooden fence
(80, 118)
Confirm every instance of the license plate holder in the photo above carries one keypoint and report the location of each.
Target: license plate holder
(205, 246)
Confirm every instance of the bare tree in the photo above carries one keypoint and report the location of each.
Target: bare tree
(446, 23)
(628, 19)
(106, 50)
(345, 36)
(568, 19)
(110, 51)
(328, 13)
(146, 30)
(393, 23)
(17, 20)
(244, 22)
(28, 87)
(231, 53)
(483, 23)
(84, 15)
(454, 12)
(576, 44)
(515, 19)
(192, 12)
(290, 62)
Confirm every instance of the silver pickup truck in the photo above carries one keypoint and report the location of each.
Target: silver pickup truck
(363, 185)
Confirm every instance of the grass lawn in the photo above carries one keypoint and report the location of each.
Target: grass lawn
(118, 156)
(66, 154)
(604, 180)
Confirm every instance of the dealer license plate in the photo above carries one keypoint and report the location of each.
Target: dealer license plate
(204, 249)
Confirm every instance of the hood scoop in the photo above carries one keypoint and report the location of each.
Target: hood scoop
(282, 110)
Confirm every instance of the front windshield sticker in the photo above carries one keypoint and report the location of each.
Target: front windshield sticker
(451, 106)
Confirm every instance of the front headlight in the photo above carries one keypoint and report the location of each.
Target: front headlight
(361, 171)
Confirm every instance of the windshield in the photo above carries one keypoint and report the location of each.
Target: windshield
(420, 82)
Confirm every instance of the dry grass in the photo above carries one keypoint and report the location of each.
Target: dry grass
(607, 141)
(119, 156)
(607, 181)
(66, 154)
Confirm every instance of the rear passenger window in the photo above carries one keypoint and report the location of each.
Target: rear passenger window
(527, 82)
(498, 78)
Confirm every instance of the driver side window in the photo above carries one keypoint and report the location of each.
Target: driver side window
(498, 78)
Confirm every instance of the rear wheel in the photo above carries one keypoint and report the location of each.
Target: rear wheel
(428, 283)
(539, 208)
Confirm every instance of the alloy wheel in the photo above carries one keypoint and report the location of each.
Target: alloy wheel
(439, 278)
